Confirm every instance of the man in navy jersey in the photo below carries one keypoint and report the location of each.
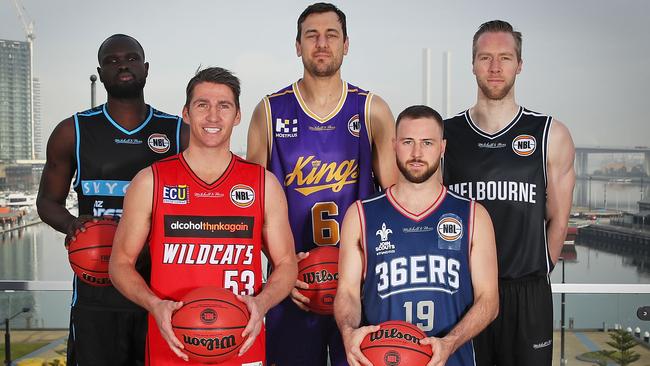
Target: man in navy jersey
(102, 149)
(417, 253)
(328, 142)
(519, 165)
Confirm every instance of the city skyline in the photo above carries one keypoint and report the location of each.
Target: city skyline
(583, 65)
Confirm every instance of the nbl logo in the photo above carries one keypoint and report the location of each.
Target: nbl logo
(354, 126)
(524, 145)
(242, 195)
(450, 228)
(158, 143)
(392, 358)
(208, 316)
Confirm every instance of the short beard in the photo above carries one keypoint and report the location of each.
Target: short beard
(498, 94)
(325, 71)
(416, 178)
(126, 91)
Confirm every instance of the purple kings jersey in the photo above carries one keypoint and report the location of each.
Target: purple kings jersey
(324, 164)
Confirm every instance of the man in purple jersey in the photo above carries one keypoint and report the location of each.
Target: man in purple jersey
(329, 142)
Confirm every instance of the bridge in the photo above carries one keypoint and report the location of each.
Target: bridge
(582, 161)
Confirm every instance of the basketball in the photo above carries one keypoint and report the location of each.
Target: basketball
(320, 270)
(210, 323)
(396, 343)
(90, 252)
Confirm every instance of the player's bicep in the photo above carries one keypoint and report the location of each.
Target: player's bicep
(278, 240)
(351, 252)
(561, 173)
(135, 223)
(60, 164)
(382, 126)
(257, 149)
(483, 256)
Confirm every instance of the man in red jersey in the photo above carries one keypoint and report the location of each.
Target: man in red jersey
(207, 215)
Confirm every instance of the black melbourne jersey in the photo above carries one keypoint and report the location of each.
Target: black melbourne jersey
(506, 172)
(108, 157)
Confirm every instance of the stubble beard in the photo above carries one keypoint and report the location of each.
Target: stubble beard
(421, 178)
(495, 94)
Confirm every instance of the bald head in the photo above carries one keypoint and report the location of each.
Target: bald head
(118, 37)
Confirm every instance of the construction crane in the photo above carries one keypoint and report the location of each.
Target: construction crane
(28, 26)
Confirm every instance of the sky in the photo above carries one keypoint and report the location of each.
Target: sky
(587, 63)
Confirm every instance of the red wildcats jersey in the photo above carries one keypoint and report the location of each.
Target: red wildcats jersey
(205, 234)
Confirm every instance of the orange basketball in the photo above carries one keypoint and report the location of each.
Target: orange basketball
(90, 252)
(320, 270)
(210, 323)
(396, 343)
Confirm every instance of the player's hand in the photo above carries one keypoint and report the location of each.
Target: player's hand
(352, 341)
(162, 311)
(299, 299)
(75, 226)
(257, 311)
(441, 348)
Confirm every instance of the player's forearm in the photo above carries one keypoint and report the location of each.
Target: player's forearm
(479, 316)
(556, 229)
(54, 214)
(347, 312)
(131, 284)
(279, 284)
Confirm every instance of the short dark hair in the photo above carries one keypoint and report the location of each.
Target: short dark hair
(216, 75)
(118, 35)
(496, 26)
(420, 111)
(319, 8)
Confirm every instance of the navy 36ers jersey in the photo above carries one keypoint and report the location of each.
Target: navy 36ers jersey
(324, 164)
(417, 265)
(506, 172)
(107, 157)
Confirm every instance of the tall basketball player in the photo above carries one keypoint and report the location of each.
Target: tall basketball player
(102, 149)
(208, 215)
(418, 253)
(328, 142)
(519, 164)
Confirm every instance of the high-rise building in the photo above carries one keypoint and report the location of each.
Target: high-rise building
(16, 124)
(39, 150)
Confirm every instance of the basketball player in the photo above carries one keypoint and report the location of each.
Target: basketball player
(328, 142)
(102, 149)
(406, 254)
(208, 215)
(519, 164)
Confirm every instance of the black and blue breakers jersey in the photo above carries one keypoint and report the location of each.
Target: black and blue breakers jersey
(417, 265)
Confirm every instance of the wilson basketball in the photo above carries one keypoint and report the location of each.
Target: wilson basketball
(90, 252)
(320, 270)
(396, 343)
(210, 323)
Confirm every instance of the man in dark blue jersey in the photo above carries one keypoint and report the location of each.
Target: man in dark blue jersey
(417, 253)
(102, 149)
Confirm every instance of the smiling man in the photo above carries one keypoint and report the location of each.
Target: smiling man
(225, 205)
(317, 125)
(102, 149)
(519, 165)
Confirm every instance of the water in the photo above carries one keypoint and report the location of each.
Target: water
(611, 195)
(37, 253)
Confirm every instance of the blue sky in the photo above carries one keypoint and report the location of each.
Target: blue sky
(585, 62)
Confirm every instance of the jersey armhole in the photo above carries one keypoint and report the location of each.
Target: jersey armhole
(178, 134)
(154, 201)
(77, 142)
(545, 138)
(366, 114)
(472, 218)
(269, 129)
(362, 225)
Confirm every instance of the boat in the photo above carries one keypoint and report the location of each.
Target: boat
(20, 201)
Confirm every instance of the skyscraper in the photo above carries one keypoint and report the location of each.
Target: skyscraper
(16, 124)
(39, 152)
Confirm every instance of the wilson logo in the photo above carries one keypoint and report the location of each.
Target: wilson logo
(242, 196)
(210, 343)
(354, 126)
(311, 175)
(524, 145)
(450, 228)
(158, 143)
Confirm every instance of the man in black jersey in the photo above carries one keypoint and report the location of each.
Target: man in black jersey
(102, 149)
(519, 165)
